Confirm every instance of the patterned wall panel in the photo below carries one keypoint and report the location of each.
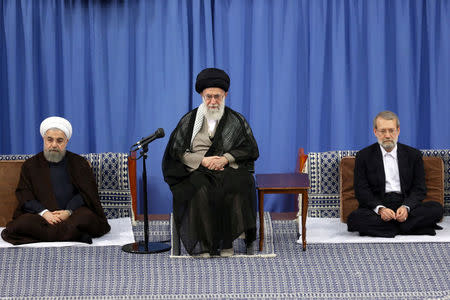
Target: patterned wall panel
(323, 170)
(111, 173)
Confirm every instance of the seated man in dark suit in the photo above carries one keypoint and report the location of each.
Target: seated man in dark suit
(57, 194)
(390, 186)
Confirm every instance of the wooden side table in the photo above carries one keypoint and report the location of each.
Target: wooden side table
(282, 183)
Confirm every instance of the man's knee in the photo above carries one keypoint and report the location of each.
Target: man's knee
(81, 218)
(430, 209)
(435, 207)
(25, 223)
(360, 219)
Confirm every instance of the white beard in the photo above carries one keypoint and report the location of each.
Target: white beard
(216, 112)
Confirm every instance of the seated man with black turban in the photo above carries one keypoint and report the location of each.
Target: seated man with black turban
(208, 164)
(57, 194)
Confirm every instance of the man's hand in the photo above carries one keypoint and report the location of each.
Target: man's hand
(51, 218)
(215, 162)
(62, 214)
(402, 214)
(386, 214)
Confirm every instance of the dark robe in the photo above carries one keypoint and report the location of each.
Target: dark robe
(35, 184)
(212, 208)
(370, 184)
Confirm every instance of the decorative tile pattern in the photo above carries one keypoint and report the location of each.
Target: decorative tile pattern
(158, 231)
(111, 173)
(323, 169)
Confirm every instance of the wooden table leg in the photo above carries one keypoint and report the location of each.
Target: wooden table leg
(261, 219)
(304, 215)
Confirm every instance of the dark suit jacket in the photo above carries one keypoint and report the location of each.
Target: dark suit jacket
(370, 177)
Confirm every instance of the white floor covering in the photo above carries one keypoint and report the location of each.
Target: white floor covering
(121, 233)
(318, 230)
(332, 230)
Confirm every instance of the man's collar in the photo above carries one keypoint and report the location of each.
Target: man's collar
(393, 153)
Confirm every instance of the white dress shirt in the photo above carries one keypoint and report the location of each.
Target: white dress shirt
(211, 126)
(391, 173)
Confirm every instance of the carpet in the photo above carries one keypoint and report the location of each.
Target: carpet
(332, 230)
(121, 233)
(323, 271)
(160, 232)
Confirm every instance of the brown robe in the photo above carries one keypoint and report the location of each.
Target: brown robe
(35, 183)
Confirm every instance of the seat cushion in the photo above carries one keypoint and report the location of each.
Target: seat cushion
(434, 180)
(348, 201)
(9, 178)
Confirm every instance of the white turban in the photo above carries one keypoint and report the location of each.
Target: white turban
(58, 123)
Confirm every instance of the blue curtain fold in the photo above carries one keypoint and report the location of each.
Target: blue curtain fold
(309, 74)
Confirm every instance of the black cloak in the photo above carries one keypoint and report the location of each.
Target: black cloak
(212, 208)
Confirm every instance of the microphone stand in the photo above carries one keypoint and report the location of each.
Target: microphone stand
(145, 247)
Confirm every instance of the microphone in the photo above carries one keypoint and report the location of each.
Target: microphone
(159, 133)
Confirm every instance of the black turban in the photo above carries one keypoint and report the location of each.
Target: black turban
(212, 77)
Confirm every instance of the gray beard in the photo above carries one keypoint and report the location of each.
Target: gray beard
(215, 114)
(54, 156)
(388, 146)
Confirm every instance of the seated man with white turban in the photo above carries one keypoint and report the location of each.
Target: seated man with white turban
(208, 164)
(57, 194)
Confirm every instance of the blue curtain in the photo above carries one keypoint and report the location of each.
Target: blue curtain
(309, 74)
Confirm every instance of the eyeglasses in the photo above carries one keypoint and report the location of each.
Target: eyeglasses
(390, 131)
(216, 97)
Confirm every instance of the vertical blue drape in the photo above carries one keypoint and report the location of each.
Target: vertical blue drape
(307, 74)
